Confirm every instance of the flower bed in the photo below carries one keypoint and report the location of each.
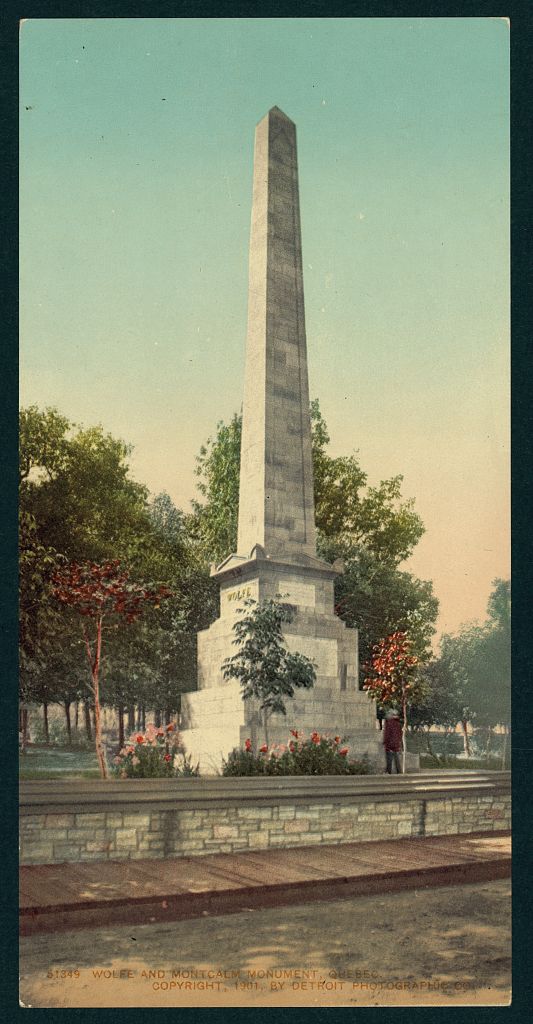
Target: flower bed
(154, 754)
(316, 755)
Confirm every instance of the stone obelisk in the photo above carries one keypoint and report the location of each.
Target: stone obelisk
(276, 548)
(276, 503)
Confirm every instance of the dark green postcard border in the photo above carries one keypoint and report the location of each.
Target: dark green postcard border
(522, 476)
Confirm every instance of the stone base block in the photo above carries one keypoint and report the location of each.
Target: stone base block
(215, 721)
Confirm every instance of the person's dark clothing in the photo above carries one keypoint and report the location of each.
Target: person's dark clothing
(392, 736)
(392, 741)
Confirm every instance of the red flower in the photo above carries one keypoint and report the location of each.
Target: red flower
(315, 737)
(343, 751)
(168, 757)
(264, 748)
(336, 739)
(139, 738)
(171, 727)
(248, 745)
(292, 747)
(294, 732)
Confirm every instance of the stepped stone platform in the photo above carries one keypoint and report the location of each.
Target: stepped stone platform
(73, 896)
(215, 719)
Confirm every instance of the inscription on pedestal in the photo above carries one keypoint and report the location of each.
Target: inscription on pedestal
(233, 598)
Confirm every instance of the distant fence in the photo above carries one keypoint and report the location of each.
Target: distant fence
(91, 820)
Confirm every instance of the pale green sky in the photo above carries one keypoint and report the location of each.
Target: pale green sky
(136, 172)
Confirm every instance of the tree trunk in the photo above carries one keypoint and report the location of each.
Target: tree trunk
(404, 734)
(46, 724)
(23, 730)
(120, 713)
(87, 715)
(100, 751)
(504, 748)
(253, 732)
(265, 726)
(466, 738)
(429, 748)
(157, 718)
(67, 707)
(489, 740)
(76, 715)
(95, 668)
(131, 718)
(168, 715)
(143, 718)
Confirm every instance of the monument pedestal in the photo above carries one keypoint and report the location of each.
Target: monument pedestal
(215, 719)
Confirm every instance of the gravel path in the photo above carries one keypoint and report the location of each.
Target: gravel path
(444, 946)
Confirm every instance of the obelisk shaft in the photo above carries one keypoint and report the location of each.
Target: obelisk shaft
(276, 504)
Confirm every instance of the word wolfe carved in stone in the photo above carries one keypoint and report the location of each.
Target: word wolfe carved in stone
(239, 595)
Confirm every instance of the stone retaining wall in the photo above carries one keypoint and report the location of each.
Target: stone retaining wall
(134, 819)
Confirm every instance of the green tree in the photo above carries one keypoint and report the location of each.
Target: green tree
(170, 637)
(218, 467)
(371, 528)
(38, 620)
(348, 516)
(75, 483)
(266, 670)
(79, 503)
(378, 599)
(43, 438)
(441, 703)
(345, 513)
(480, 658)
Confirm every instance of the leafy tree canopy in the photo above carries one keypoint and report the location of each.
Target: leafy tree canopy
(346, 510)
(442, 701)
(76, 484)
(214, 522)
(480, 658)
(372, 528)
(266, 670)
(379, 599)
(79, 504)
(350, 513)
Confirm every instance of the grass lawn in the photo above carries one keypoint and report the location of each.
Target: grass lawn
(58, 762)
(464, 763)
(73, 763)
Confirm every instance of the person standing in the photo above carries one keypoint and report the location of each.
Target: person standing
(392, 741)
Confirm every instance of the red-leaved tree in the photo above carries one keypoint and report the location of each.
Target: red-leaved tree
(98, 593)
(391, 676)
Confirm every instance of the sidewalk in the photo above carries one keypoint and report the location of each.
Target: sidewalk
(61, 897)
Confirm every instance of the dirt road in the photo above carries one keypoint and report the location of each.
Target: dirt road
(445, 946)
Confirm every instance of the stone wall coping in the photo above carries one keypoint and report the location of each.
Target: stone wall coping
(99, 795)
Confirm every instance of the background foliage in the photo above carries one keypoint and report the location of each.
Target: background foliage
(78, 502)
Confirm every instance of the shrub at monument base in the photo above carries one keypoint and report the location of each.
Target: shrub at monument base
(318, 755)
(154, 754)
